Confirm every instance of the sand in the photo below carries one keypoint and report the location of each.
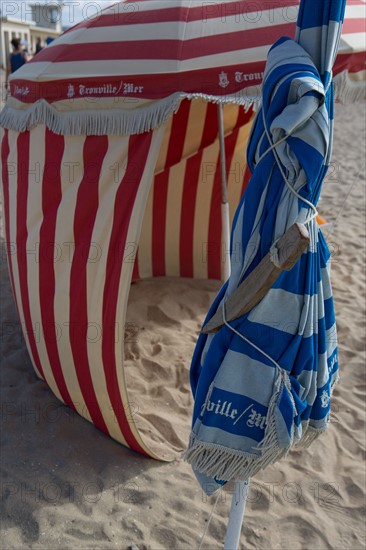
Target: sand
(65, 485)
(163, 324)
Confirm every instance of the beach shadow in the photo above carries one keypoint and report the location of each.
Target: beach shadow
(51, 456)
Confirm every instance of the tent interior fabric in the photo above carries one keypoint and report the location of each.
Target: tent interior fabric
(181, 232)
(75, 206)
(111, 171)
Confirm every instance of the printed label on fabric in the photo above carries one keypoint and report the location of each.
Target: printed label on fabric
(20, 91)
(234, 413)
(102, 90)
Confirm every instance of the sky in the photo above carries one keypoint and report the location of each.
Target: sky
(73, 11)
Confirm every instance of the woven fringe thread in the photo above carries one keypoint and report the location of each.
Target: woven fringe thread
(245, 101)
(104, 122)
(347, 90)
(224, 463)
(93, 122)
(309, 436)
(144, 119)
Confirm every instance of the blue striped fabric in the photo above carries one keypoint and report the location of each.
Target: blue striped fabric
(263, 384)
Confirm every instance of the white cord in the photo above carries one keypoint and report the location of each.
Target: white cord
(246, 339)
(272, 147)
(278, 161)
(210, 518)
(329, 83)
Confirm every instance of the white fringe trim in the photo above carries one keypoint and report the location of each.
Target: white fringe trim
(107, 121)
(225, 463)
(90, 122)
(347, 90)
(310, 435)
(143, 119)
(246, 101)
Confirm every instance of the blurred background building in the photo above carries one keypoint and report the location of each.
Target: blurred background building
(29, 22)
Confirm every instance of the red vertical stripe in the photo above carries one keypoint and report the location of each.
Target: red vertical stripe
(51, 198)
(138, 151)
(95, 148)
(191, 181)
(21, 241)
(160, 187)
(5, 150)
(211, 127)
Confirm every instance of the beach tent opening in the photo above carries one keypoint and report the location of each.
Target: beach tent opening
(111, 172)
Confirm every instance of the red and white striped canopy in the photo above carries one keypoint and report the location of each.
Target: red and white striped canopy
(81, 190)
(137, 52)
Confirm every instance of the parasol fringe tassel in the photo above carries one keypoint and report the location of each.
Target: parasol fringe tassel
(347, 90)
(309, 436)
(224, 463)
(103, 122)
(90, 122)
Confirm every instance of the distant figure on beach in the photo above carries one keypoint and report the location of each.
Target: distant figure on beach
(39, 45)
(16, 59)
(24, 46)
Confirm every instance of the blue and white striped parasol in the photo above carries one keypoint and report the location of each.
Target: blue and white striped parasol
(262, 382)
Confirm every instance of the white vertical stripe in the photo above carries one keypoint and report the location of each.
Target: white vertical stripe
(145, 243)
(195, 127)
(173, 219)
(112, 172)
(203, 208)
(237, 170)
(162, 158)
(72, 171)
(34, 222)
(127, 268)
(13, 186)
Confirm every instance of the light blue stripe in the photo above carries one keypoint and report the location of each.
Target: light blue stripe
(294, 323)
(241, 373)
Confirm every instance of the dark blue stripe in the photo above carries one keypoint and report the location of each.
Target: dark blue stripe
(321, 406)
(329, 313)
(333, 362)
(236, 414)
(311, 161)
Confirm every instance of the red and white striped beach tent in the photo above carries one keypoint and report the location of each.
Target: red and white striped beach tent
(111, 170)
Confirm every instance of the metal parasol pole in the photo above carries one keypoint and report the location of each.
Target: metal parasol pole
(236, 516)
(225, 214)
(239, 499)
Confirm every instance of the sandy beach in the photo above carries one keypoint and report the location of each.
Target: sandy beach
(65, 485)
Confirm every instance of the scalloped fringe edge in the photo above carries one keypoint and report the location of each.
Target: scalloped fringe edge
(105, 122)
(143, 119)
(90, 122)
(225, 464)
